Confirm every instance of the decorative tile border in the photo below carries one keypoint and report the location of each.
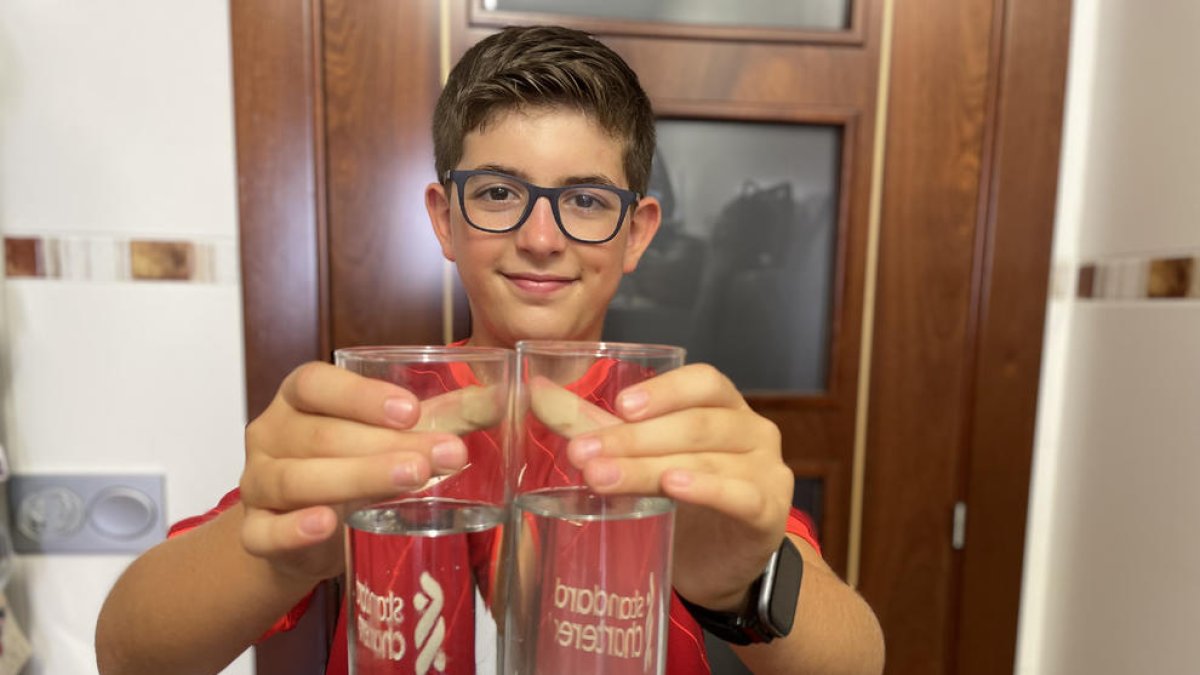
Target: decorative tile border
(100, 258)
(1166, 277)
(23, 257)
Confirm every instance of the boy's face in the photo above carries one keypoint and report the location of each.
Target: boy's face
(535, 282)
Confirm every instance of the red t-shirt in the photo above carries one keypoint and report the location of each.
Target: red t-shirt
(545, 465)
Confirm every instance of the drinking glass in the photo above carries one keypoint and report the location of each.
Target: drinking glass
(422, 569)
(589, 574)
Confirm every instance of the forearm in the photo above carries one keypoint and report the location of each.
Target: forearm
(835, 632)
(191, 604)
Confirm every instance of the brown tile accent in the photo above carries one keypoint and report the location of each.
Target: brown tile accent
(161, 260)
(1170, 277)
(1086, 286)
(21, 257)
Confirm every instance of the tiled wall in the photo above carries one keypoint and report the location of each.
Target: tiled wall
(1112, 567)
(120, 303)
(95, 258)
(1134, 278)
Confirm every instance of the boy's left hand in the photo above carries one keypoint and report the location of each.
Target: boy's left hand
(690, 435)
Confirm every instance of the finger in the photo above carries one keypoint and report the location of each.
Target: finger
(695, 430)
(693, 385)
(265, 533)
(564, 412)
(324, 389)
(463, 410)
(316, 436)
(289, 484)
(698, 483)
(695, 479)
(739, 499)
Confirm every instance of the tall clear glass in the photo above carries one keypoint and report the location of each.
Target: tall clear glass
(589, 584)
(423, 568)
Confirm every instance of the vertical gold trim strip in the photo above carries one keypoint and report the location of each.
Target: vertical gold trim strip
(858, 477)
(447, 266)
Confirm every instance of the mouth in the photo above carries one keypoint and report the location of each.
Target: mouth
(538, 283)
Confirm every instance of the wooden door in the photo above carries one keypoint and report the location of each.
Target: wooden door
(943, 197)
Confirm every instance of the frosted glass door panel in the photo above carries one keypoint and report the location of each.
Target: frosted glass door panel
(741, 272)
(799, 14)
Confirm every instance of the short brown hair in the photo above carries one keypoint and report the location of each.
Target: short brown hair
(536, 66)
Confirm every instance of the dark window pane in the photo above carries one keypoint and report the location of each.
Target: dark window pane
(741, 272)
(803, 14)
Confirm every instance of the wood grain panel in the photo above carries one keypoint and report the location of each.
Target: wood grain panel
(381, 84)
(937, 111)
(279, 218)
(277, 112)
(1019, 217)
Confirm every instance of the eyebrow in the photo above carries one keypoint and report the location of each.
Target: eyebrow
(590, 179)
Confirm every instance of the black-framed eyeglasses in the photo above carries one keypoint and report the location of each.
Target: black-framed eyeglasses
(497, 202)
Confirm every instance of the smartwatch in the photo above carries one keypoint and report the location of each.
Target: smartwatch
(770, 604)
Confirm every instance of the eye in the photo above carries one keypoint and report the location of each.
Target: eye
(588, 200)
(495, 193)
(584, 201)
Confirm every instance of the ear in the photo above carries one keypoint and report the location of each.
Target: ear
(437, 203)
(643, 225)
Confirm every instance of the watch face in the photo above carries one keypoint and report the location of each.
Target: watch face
(781, 587)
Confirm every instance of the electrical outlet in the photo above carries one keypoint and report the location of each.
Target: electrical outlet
(85, 513)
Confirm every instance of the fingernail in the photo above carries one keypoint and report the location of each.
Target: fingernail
(313, 525)
(678, 478)
(404, 475)
(449, 455)
(633, 401)
(583, 449)
(604, 474)
(399, 409)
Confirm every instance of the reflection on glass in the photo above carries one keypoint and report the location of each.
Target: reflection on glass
(741, 272)
(809, 14)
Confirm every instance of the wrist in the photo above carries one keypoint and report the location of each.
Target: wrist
(768, 608)
(733, 601)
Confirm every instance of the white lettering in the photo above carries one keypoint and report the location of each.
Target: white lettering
(630, 640)
(378, 619)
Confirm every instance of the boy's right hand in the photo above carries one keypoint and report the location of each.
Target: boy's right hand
(331, 441)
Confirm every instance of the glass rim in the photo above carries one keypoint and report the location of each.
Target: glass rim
(599, 348)
(652, 504)
(421, 353)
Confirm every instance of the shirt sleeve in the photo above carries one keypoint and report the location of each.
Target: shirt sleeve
(231, 498)
(801, 524)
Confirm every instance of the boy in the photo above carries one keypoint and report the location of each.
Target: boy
(527, 107)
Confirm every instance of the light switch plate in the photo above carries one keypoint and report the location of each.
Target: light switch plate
(85, 513)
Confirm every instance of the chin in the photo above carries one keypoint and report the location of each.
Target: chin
(547, 330)
(543, 333)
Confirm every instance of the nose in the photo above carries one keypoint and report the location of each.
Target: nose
(539, 235)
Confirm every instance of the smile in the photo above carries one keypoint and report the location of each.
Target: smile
(539, 284)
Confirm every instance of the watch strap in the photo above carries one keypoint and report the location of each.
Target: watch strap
(732, 627)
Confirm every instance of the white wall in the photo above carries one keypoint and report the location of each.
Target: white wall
(1112, 570)
(116, 122)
